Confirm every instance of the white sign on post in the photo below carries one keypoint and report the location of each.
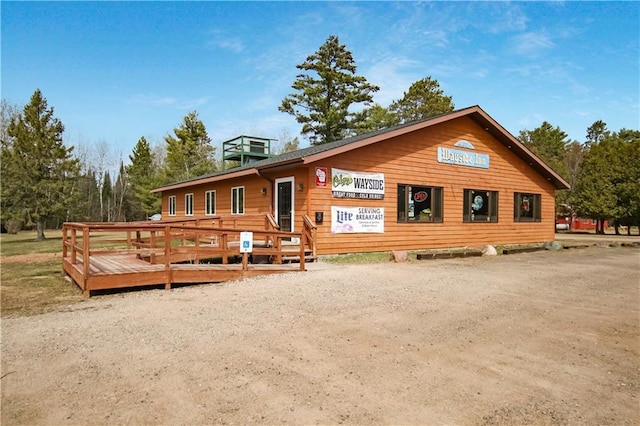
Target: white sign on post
(246, 242)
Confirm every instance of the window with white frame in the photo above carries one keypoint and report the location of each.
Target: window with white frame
(172, 205)
(210, 203)
(237, 200)
(188, 204)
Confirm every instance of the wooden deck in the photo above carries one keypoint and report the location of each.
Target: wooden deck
(174, 253)
(122, 270)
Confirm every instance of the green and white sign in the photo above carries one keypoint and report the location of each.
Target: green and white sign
(350, 184)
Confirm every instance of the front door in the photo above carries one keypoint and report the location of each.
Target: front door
(284, 204)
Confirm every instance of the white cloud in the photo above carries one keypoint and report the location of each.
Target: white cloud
(191, 104)
(152, 100)
(226, 42)
(532, 44)
(393, 75)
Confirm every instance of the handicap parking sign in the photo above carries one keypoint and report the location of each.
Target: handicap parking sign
(246, 242)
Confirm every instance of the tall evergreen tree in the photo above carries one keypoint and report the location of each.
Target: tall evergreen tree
(88, 206)
(189, 152)
(573, 159)
(107, 198)
(595, 195)
(7, 113)
(325, 92)
(375, 118)
(549, 144)
(627, 184)
(38, 170)
(143, 177)
(424, 99)
(597, 132)
(121, 196)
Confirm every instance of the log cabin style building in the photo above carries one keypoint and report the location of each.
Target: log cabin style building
(457, 179)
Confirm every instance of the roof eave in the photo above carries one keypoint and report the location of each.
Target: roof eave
(512, 143)
(391, 134)
(211, 179)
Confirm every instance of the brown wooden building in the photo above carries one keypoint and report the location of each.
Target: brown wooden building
(458, 179)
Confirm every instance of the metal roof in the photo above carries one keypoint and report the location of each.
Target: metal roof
(319, 152)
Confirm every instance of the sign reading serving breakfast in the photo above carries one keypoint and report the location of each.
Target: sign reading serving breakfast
(348, 220)
(350, 184)
(462, 158)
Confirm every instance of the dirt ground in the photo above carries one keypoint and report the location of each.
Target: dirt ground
(541, 338)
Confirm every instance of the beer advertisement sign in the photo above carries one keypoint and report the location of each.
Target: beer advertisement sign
(350, 220)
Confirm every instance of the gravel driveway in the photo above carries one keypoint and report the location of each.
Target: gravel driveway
(537, 338)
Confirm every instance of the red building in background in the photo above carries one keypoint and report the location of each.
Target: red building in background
(577, 223)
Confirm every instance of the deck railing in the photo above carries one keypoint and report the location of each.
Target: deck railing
(174, 242)
(309, 229)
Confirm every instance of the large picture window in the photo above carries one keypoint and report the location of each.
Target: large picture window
(237, 200)
(172, 205)
(526, 207)
(417, 203)
(210, 203)
(188, 205)
(480, 205)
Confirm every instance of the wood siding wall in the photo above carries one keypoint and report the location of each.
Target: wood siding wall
(254, 201)
(412, 159)
(409, 159)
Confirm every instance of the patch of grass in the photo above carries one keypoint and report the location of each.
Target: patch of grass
(31, 288)
(359, 258)
(25, 242)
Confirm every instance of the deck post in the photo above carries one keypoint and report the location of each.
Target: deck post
(167, 260)
(86, 261)
(278, 246)
(225, 248)
(245, 261)
(74, 241)
(303, 249)
(64, 241)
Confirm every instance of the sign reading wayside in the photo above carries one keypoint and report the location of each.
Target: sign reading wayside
(462, 158)
(350, 184)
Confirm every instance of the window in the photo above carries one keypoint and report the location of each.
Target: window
(480, 205)
(419, 203)
(188, 204)
(237, 200)
(526, 207)
(210, 203)
(172, 205)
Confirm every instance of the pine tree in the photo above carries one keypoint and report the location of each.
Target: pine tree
(549, 144)
(121, 196)
(38, 170)
(189, 152)
(424, 99)
(325, 93)
(106, 198)
(375, 118)
(143, 177)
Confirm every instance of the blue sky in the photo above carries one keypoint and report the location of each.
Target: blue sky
(116, 71)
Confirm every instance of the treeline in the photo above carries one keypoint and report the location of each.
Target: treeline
(45, 183)
(603, 171)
